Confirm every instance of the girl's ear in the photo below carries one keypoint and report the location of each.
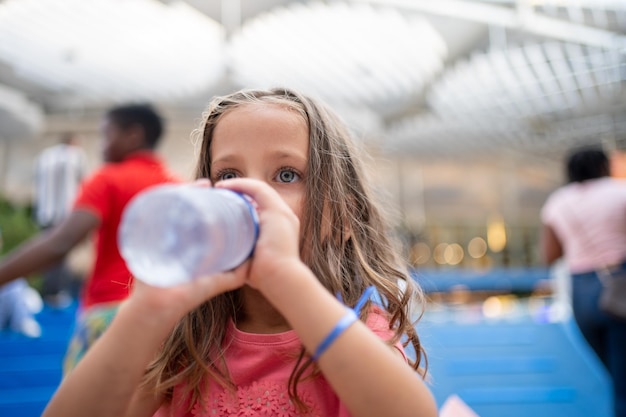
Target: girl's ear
(329, 228)
(347, 228)
(347, 232)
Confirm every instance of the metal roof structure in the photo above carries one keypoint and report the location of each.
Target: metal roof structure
(415, 76)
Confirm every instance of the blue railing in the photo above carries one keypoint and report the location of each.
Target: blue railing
(497, 279)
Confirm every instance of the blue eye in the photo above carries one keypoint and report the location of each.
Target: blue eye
(226, 175)
(288, 175)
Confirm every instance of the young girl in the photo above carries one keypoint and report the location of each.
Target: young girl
(278, 335)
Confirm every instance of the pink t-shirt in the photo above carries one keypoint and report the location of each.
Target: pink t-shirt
(589, 218)
(260, 365)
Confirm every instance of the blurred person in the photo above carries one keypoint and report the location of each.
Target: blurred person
(58, 174)
(130, 135)
(585, 222)
(18, 305)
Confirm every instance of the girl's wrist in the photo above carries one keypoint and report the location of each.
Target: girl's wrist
(312, 311)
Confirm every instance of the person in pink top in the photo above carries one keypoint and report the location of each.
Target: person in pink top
(585, 222)
(293, 330)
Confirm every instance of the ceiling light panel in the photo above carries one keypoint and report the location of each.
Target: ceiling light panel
(19, 117)
(606, 14)
(527, 96)
(111, 50)
(550, 77)
(347, 54)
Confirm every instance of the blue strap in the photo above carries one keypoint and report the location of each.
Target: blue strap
(344, 322)
(363, 299)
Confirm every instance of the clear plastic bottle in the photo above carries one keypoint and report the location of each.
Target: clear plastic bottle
(174, 233)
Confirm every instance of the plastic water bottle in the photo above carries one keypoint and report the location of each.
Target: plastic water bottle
(174, 233)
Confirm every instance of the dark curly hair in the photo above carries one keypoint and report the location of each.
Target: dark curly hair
(586, 164)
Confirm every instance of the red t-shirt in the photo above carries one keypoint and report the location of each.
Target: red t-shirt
(105, 194)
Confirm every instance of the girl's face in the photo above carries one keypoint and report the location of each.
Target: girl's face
(265, 142)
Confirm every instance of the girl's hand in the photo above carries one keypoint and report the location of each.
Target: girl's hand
(279, 232)
(164, 307)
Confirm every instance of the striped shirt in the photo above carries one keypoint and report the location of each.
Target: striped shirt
(59, 171)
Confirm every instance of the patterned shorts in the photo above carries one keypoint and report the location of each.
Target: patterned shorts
(90, 325)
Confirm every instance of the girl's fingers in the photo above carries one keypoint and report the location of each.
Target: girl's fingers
(210, 286)
(173, 302)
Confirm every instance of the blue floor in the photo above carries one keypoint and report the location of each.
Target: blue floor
(515, 368)
(30, 369)
(526, 357)
(518, 368)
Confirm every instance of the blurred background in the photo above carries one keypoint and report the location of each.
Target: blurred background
(467, 107)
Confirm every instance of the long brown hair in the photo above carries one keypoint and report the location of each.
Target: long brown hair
(353, 252)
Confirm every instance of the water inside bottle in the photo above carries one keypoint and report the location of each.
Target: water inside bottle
(152, 246)
(174, 235)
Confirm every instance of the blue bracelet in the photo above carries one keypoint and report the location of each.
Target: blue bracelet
(350, 317)
(343, 323)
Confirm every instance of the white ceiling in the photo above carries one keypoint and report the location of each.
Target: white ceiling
(414, 75)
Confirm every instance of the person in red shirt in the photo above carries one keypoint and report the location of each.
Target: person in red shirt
(130, 135)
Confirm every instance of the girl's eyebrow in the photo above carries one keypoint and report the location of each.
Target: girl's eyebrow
(286, 152)
(287, 155)
(280, 155)
(229, 158)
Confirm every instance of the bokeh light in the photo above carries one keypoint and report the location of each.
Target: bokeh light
(477, 247)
